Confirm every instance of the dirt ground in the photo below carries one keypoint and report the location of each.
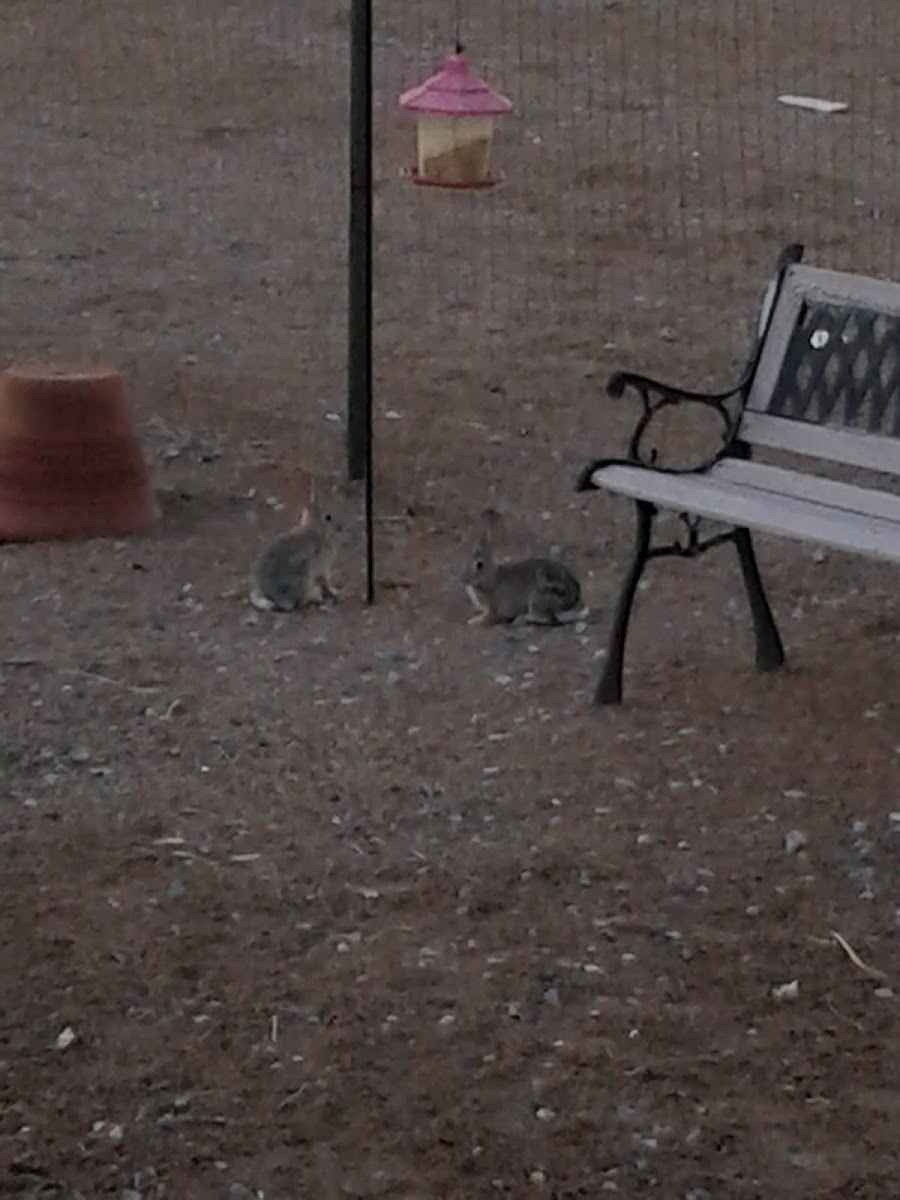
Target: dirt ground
(371, 902)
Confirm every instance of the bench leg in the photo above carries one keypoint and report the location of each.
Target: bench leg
(609, 686)
(769, 648)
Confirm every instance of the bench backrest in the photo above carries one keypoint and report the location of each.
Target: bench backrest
(827, 383)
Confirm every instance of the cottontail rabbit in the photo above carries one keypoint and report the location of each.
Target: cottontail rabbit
(540, 590)
(296, 568)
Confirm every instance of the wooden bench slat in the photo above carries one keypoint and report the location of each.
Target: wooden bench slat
(852, 447)
(717, 497)
(817, 489)
(844, 287)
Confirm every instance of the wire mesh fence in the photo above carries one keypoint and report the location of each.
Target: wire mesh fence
(174, 182)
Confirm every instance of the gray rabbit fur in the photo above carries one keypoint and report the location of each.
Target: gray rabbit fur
(296, 568)
(542, 591)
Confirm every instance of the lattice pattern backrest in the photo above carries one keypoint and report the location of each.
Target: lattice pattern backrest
(832, 355)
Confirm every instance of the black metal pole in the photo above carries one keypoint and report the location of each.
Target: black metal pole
(360, 283)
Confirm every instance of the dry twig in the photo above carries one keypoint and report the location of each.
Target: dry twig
(873, 972)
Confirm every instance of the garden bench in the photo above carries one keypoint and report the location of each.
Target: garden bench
(822, 382)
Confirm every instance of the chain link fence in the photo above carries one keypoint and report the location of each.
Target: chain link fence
(174, 184)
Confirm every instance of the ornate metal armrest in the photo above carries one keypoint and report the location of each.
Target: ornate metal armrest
(621, 380)
(728, 405)
(655, 397)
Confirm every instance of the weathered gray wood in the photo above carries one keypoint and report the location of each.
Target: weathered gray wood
(735, 498)
(840, 287)
(817, 489)
(853, 447)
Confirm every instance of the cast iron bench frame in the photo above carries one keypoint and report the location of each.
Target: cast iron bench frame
(822, 381)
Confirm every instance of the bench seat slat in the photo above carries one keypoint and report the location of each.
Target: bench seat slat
(774, 500)
(855, 448)
(798, 485)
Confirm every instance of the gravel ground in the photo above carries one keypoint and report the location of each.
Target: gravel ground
(371, 902)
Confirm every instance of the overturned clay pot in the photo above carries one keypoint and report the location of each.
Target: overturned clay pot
(71, 465)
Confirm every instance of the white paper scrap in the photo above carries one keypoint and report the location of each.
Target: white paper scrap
(814, 104)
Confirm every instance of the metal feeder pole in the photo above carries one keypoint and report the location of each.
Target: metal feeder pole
(360, 280)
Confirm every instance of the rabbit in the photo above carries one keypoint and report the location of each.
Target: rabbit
(296, 568)
(542, 591)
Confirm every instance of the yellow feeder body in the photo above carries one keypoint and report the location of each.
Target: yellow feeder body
(455, 150)
(455, 112)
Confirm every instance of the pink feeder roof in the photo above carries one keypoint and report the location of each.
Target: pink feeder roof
(455, 91)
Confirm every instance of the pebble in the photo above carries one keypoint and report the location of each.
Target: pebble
(794, 840)
(66, 1038)
(545, 1114)
(786, 991)
(884, 993)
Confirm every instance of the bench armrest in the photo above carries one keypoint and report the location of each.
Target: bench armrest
(656, 396)
(728, 406)
(668, 394)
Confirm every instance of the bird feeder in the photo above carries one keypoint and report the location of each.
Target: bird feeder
(455, 111)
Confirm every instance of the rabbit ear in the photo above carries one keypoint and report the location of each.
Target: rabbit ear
(300, 491)
(487, 523)
(482, 558)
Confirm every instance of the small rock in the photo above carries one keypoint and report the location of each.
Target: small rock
(786, 991)
(884, 993)
(79, 754)
(66, 1038)
(545, 1114)
(176, 889)
(551, 997)
(131, 1194)
(794, 840)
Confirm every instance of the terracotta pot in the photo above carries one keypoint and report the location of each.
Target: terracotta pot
(70, 463)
